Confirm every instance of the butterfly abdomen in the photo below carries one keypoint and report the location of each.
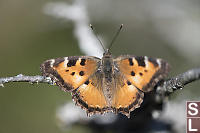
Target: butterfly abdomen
(108, 81)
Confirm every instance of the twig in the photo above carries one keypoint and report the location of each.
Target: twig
(23, 78)
(168, 86)
(179, 81)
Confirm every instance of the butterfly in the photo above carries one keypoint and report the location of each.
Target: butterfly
(108, 84)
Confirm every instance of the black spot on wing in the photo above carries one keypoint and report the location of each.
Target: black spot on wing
(140, 61)
(81, 73)
(128, 82)
(141, 74)
(72, 73)
(82, 62)
(87, 82)
(130, 61)
(132, 73)
(72, 61)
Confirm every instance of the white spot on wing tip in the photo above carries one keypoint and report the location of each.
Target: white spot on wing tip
(146, 61)
(159, 62)
(52, 61)
(65, 61)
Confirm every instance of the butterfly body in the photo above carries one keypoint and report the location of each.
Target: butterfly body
(108, 72)
(108, 84)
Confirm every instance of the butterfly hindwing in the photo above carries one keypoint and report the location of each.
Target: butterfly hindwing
(126, 96)
(90, 95)
(143, 72)
(70, 72)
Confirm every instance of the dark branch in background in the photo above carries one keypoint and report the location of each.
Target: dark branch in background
(168, 86)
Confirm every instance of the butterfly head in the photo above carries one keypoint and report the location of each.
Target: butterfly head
(107, 54)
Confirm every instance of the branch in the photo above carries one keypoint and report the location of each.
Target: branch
(168, 86)
(23, 78)
(179, 81)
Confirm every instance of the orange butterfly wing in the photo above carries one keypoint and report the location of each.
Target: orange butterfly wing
(70, 72)
(143, 72)
(78, 75)
(90, 96)
(126, 96)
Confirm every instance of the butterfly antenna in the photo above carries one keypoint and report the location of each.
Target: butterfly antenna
(97, 37)
(116, 35)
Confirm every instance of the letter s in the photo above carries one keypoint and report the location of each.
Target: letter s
(194, 109)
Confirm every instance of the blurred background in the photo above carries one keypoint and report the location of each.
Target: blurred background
(34, 31)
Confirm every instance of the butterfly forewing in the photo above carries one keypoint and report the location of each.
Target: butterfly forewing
(142, 72)
(70, 72)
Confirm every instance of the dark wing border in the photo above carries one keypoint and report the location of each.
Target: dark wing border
(158, 76)
(136, 104)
